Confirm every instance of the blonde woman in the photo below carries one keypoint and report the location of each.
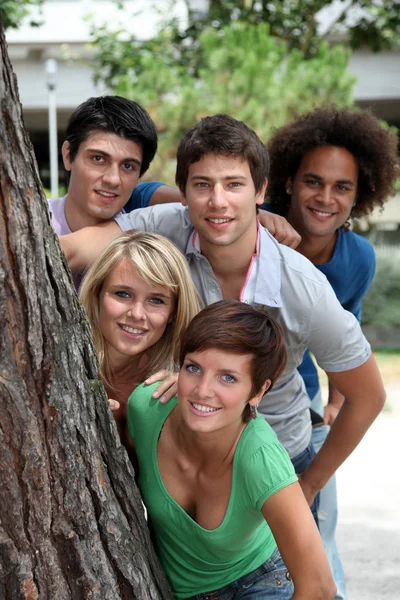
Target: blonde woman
(139, 299)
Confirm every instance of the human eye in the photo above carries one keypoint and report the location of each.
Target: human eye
(235, 184)
(192, 368)
(98, 158)
(156, 301)
(121, 294)
(313, 182)
(343, 188)
(201, 184)
(228, 378)
(129, 167)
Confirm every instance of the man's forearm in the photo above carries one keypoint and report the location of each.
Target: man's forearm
(82, 247)
(365, 397)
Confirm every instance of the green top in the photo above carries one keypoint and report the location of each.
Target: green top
(198, 560)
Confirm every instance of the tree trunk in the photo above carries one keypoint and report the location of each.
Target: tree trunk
(71, 518)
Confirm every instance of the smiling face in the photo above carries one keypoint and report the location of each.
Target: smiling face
(222, 200)
(133, 314)
(323, 191)
(104, 173)
(214, 387)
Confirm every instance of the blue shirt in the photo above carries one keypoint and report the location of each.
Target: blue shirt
(350, 273)
(141, 195)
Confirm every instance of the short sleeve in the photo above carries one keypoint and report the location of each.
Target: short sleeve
(141, 195)
(268, 471)
(137, 403)
(334, 335)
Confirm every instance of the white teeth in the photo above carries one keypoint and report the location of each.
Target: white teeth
(132, 329)
(217, 221)
(202, 408)
(106, 194)
(321, 214)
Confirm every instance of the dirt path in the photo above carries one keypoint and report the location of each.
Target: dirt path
(369, 512)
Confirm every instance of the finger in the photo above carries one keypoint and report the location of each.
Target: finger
(113, 404)
(159, 376)
(289, 238)
(173, 391)
(165, 385)
(295, 241)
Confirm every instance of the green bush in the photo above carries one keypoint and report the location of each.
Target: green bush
(381, 306)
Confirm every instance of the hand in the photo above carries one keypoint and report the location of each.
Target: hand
(308, 490)
(330, 413)
(168, 386)
(113, 404)
(280, 228)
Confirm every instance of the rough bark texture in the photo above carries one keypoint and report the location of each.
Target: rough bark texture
(71, 518)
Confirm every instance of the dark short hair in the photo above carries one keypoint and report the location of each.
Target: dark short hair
(234, 326)
(359, 132)
(113, 114)
(224, 136)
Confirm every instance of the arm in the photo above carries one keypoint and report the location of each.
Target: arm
(165, 194)
(279, 228)
(299, 543)
(124, 434)
(364, 395)
(335, 402)
(83, 246)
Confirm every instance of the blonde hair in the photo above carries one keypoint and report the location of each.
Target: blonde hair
(158, 262)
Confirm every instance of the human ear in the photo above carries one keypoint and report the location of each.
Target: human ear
(289, 185)
(260, 198)
(257, 398)
(183, 198)
(65, 155)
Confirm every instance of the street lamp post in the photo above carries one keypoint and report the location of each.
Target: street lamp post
(51, 72)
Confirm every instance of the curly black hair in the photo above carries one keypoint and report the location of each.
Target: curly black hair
(359, 132)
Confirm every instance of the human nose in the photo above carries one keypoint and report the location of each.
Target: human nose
(111, 176)
(218, 196)
(136, 311)
(204, 387)
(325, 195)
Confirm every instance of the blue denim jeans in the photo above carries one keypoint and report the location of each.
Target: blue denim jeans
(271, 580)
(300, 463)
(328, 510)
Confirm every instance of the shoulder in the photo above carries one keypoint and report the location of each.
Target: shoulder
(144, 411)
(57, 213)
(142, 195)
(260, 442)
(296, 269)
(361, 248)
(141, 399)
(171, 220)
(355, 256)
(157, 215)
(56, 201)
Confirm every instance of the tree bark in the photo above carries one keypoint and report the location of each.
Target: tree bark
(71, 518)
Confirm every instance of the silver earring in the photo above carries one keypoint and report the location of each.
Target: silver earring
(288, 190)
(253, 411)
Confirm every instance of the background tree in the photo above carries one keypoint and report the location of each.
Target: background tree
(71, 519)
(13, 12)
(371, 23)
(243, 71)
